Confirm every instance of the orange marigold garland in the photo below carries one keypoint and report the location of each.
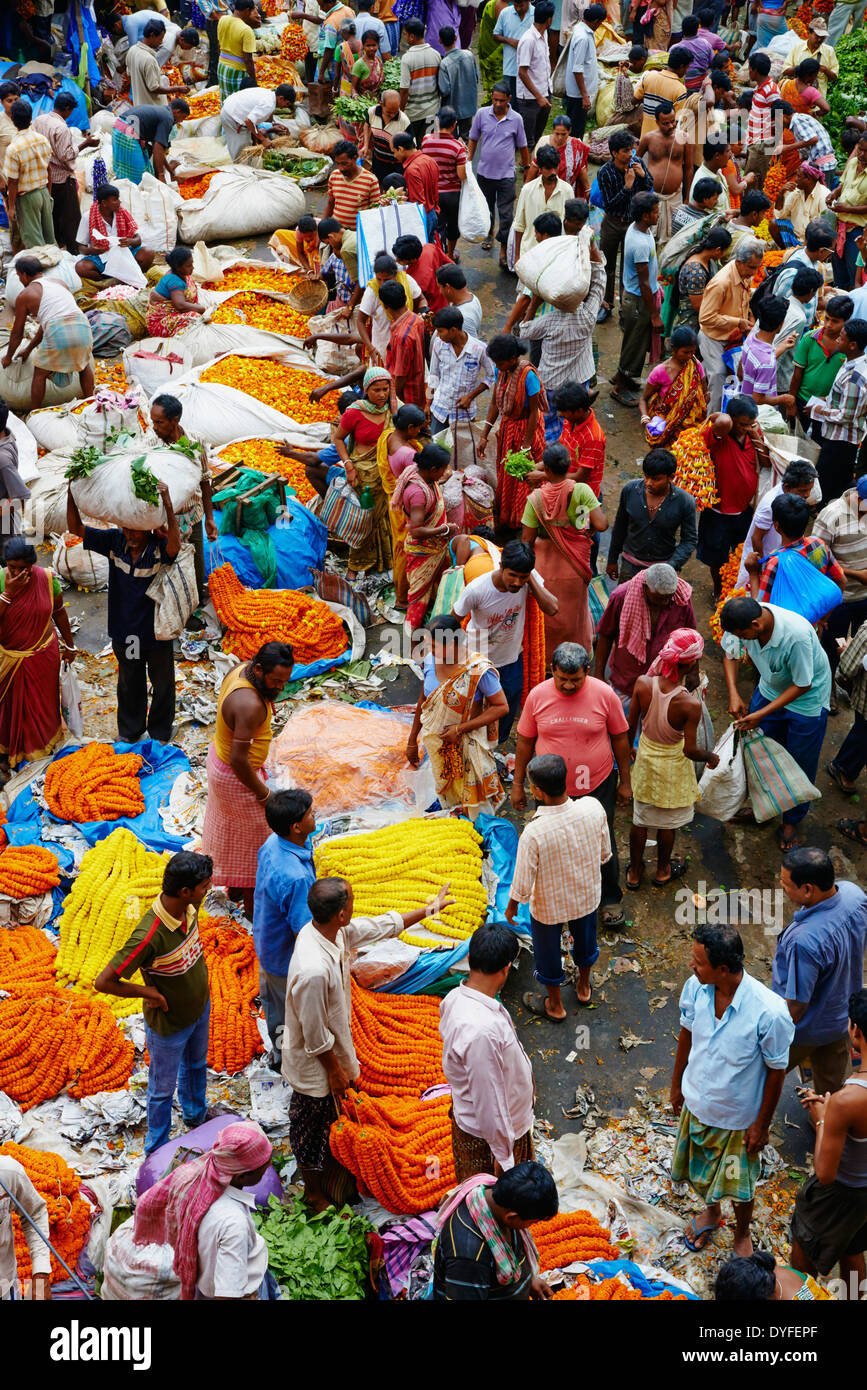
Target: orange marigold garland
(695, 469)
(255, 616)
(770, 259)
(612, 1291)
(293, 43)
(94, 783)
(400, 1149)
(254, 277)
(572, 1236)
(233, 1038)
(69, 1215)
(206, 103)
(397, 1042)
(28, 871)
(264, 455)
(283, 388)
(774, 179)
(728, 576)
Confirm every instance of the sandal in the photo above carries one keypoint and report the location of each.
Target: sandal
(536, 1004)
(584, 1003)
(852, 830)
(785, 843)
(678, 869)
(627, 398)
(836, 776)
(488, 244)
(634, 887)
(697, 1233)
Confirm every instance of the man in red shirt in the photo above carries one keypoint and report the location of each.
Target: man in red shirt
(582, 434)
(450, 154)
(404, 357)
(422, 263)
(421, 174)
(738, 449)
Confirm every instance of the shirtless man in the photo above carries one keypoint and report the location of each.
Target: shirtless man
(669, 162)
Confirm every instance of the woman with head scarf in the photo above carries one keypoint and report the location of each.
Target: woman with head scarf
(398, 445)
(357, 442)
(663, 780)
(203, 1209)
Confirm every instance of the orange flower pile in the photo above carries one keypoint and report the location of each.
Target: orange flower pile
(271, 70)
(397, 1041)
(233, 1038)
(572, 1236)
(613, 1291)
(206, 103)
(26, 871)
(195, 188)
(728, 575)
(770, 259)
(401, 1149)
(283, 388)
(260, 311)
(51, 1038)
(254, 277)
(94, 784)
(264, 455)
(273, 7)
(774, 179)
(108, 371)
(253, 617)
(293, 43)
(695, 470)
(68, 1213)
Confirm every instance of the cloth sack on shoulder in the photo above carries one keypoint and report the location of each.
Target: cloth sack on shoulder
(776, 783)
(175, 594)
(722, 790)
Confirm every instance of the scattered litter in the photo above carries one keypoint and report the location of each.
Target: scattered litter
(629, 1039)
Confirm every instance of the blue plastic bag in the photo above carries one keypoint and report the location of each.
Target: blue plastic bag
(802, 587)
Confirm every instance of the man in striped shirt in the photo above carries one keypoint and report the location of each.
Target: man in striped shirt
(760, 130)
(842, 415)
(791, 517)
(419, 68)
(351, 190)
(450, 154)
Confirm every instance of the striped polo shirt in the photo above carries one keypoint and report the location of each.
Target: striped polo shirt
(169, 955)
(448, 153)
(352, 196)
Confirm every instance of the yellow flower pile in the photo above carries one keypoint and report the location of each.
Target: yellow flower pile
(261, 311)
(118, 882)
(402, 867)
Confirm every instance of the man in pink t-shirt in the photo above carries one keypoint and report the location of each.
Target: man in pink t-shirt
(581, 719)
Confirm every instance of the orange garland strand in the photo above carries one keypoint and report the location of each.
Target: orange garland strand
(400, 1149)
(397, 1042)
(28, 871)
(255, 616)
(233, 971)
(69, 1215)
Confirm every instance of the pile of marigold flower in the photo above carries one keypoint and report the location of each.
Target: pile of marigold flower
(402, 867)
(206, 103)
(272, 71)
(118, 881)
(282, 387)
(264, 455)
(401, 1149)
(397, 1042)
(293, 43)
(570, 1236)
(253, 617)
(613, 1291)
(197, 187)
(68, 1213)
(27, 871)
(258, 310)
(770, 259)
(95, 783)
(253, 277)
(695, 470)
(233, 971)
(774, 179)
(728, 576)
(109, 371)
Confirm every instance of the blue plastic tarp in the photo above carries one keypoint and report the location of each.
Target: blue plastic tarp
(430, 967)
(500, 841)
(650, 1288)
(163, 763)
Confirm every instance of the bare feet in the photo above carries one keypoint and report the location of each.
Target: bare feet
(743, 1246)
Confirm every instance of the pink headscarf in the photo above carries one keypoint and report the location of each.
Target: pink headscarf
(170, 1213)
(684, 644)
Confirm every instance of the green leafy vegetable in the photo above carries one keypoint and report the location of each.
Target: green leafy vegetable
(83, 461)
(144, 484)
(352, 109)
(519, 463)
(846, 95)
(391, 74)
(316, 1257)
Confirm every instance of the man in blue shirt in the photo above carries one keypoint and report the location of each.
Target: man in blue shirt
(512, 23)
(284, 875)
(731, 1062)
(819, 963)
(639, 298)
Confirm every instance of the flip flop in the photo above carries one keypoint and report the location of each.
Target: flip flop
(834, 773)
(698, 1232)
(678, 869)
(488, 244)
(584, 1003)
(614, 923)
(634, 887)
(851, 829)
(536, 1004)
(784, 844)
(627, 398)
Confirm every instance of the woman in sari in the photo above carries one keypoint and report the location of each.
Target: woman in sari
(426, 543)
(397, 447)
(675, 391)
(360, 70)
(519, 402)
(573, 156)
(490, 52)
(361, 425)
(559, 520)
(802, 91)
(457, 716)
(173, 302)
(31, 607)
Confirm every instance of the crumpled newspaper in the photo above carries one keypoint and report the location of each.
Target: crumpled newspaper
(269, 1100)
(34, 911)
(184, 815)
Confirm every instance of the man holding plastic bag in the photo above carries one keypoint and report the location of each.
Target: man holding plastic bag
(791, 701)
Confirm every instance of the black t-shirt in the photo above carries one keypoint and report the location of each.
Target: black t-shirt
(464, 1267)
(153, 123)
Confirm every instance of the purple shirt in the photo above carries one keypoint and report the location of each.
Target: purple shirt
(702, 57)
(499, 141)
(759, 363)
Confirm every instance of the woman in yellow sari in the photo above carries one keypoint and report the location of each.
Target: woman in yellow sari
(398, 445)
(356, 440)
(457, 716)
(675, 394)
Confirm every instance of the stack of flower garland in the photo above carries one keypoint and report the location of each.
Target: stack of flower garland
(293, 43)
(283, 388)
(28, 871)
(255, 616)
(264, 455)
(401, 1149)
(728, 575)
(206, 103)
(770, 259)
(233, 971)
(774, 179)
(695, 470)
(397, 1042)
(571, 1236)
(69, 1214)
(94, 783)
(253, 277)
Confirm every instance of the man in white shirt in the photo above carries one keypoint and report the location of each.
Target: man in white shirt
(14, 1177)
(148, 84)
(460, 370)
(244, 111)
(582, 69)
(319, 1060)
(484, 1063)
(453, 283)
(512, 23)
(799, 478)
(534, 73)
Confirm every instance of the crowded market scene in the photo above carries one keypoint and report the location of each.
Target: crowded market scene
(433, 500)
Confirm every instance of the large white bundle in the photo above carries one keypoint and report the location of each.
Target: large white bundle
(204, 148)
(83, 569)
(156, 363)
(28, 449)
(16, 382)
(241, 202)
(558, 270)
(54, 429)
(107, 494)
(134, 1272)
(58, 265)
(205, 341)
(154, 205)
(46, 510)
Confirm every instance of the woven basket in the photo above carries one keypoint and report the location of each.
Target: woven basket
(308, 297)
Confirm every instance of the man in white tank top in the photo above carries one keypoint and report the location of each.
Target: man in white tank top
(63, 341)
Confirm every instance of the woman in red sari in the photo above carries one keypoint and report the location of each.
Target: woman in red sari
(520, 403)
(31, 607)
(573, 156)
(426, 543)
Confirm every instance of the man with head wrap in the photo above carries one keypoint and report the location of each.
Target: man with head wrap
(663, 779)
(203, 1210)
(640, 617)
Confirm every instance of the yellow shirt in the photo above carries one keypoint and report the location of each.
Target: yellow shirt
(235, 38)
(853, 191)
(653, 85)
(824, 55)
(223, 734)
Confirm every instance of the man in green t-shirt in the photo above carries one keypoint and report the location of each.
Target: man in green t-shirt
(817, 360)
(167, 949)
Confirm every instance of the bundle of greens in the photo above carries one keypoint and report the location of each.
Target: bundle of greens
(316, 1257)
(391, 75)
(144, 484)
(83, 461)
(352, 109)
(846, 95)
(519, 463)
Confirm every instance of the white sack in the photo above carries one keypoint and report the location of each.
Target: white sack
(55, 429)
(241, 202)
(723, 789)
(28, 449)
(16, 382)
(154, 205)
(46, 510)
(84, 569)
(135, 1272)
(202, 342)
(205, 148)
(558, 270)
(107, 493)
(85, 160)
(61, 268)
(156, 363)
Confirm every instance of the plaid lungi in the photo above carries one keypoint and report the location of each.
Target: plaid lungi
(714, 1161)
(229, 78)
(235, 827)
(474, 1155)
(67, 345)
(129, 160)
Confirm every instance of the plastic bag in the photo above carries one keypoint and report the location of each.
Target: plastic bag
(70, 700)
(383, 962)
(802, 587)
(558, 76)
(348, 758)
(776, 783)
(85, 569)
(722, 790)
(121, 264)
(558, 269)
(334, 358)
(241, 202)
(133, 1272)
(107, 493)
(474, 218)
